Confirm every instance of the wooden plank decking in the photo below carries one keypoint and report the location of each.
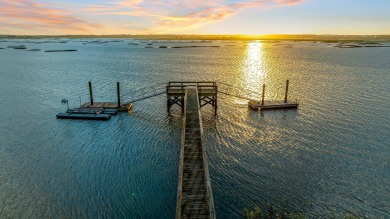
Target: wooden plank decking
(207, 92)
(194, 198)
(277, 104)
(106, 105)
(206, 88)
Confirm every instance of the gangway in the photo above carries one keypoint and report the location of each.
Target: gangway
(238, 92)
(143, 93)
(179, 87)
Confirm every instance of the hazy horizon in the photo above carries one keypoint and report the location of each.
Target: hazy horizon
(291, 37)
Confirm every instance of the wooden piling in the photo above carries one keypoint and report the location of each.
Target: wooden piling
(262, 95)
(118, 91)
(273, 104)
(285, 96)
(207, 93)
(216, 101)
(90, 93)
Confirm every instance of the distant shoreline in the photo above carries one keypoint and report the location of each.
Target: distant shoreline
(284, 37)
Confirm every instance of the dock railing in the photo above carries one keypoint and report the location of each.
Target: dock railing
(209, 87)
(206, 167)
(190, 206)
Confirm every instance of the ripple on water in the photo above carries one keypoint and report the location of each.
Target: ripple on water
(330, 155)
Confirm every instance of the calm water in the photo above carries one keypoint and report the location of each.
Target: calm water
(331, 155)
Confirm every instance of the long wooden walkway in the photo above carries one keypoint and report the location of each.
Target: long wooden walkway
(194, 197)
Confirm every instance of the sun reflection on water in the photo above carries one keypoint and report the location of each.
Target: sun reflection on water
(254, 69)
(260, 66)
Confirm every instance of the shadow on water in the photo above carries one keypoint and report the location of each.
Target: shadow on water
(175, 117)
(209, 117)
(285, 115)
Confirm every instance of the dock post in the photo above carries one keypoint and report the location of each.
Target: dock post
(90, 93)
(168, 99)
(215, 100)
(285, 96)
(118, 91)
(262, 95)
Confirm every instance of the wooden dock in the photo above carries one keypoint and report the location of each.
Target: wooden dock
(84, 116)
(277, 104)
(88, 113)
(106, 105)
(207, 93)
(194, 197)
(194, 194)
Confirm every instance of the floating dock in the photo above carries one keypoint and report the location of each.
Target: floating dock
(83, 116)
(106, 105)
(194, 197)
(88, 113)
(278, 104)
(92, 111)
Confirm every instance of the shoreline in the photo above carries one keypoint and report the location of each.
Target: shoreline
(282, 37)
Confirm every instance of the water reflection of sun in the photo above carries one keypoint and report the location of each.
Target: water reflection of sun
(255, 67)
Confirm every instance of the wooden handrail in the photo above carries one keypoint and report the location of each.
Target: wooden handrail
(192, 82)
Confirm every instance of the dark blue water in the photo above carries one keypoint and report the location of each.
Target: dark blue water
(331, 155)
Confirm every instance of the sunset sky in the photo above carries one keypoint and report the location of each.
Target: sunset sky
(46, 17)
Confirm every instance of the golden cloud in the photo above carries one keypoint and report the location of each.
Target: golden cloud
(154, 16)
(22, 13)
